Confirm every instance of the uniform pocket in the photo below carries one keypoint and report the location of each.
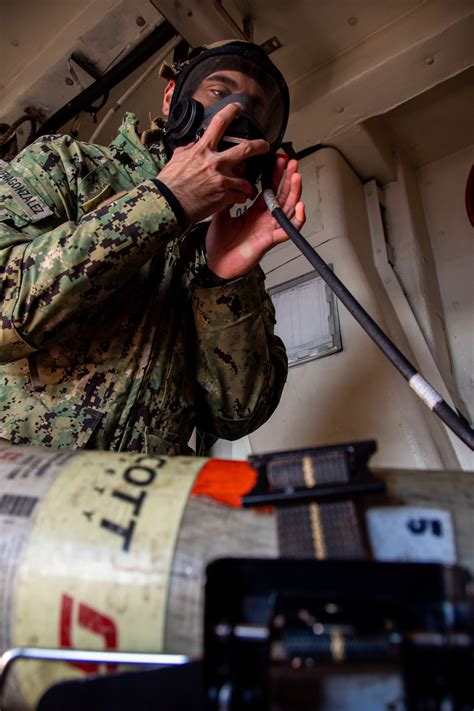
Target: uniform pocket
(157, 442)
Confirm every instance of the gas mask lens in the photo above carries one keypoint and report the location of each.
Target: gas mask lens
(230, 78)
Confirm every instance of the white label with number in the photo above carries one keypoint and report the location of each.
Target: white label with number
(409, 533)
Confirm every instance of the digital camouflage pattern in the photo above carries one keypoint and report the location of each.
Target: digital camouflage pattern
(107, 340)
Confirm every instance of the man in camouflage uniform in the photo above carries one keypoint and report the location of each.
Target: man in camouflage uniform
(120, 328)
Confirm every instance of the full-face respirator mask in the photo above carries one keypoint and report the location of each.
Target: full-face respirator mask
(232, 72)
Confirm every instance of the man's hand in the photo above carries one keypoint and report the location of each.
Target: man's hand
(236, 244)
(203, 179)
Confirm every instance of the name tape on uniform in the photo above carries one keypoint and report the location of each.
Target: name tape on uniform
(34, 206)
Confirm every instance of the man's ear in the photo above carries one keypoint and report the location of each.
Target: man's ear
(167, 96)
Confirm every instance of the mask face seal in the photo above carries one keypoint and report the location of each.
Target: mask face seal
(219, 77)
(189, 118)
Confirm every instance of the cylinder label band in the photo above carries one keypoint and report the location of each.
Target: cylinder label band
(95, 569)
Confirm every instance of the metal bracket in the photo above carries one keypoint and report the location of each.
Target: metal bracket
(348, 459)
(11, 656)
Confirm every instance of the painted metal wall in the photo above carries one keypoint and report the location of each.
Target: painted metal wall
(442, 187)
(354, 394)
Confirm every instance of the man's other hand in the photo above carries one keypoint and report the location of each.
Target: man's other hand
(203, 178)
(236, 244)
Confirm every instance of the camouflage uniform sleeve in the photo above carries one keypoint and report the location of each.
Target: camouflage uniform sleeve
(49, 280)
(242, 365)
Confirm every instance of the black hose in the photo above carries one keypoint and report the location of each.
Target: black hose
(83, 101)
(423, 389)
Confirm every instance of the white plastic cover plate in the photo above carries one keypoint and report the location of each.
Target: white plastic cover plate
(306, 318)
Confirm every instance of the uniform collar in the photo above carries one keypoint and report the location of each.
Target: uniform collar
(150, 158)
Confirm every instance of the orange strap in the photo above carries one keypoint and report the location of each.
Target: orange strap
(225, 481)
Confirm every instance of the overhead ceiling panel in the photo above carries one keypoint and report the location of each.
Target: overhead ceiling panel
(437, 122)
(314, 32)
(38, 38)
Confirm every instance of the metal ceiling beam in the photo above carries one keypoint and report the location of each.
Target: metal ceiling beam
(83, 101)
(199, 21)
